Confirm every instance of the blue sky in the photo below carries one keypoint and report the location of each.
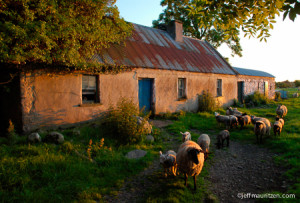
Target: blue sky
(280, 56)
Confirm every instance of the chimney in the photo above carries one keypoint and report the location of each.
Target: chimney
(174, 29)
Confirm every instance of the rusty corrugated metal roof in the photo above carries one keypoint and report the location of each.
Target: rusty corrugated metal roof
(244, 71)
(153, 48)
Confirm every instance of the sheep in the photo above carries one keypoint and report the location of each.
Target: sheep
(221, 137)
(233, 111)
(296, 95)
(233, 121)
(34, 137)
(281, 111)
(186, 136)
(190, 160)
(278, 125)
(54, 137)
(260, 130)
(254, 119)
(168, 161)
(204, 142)
(222, 119)
(244, 120)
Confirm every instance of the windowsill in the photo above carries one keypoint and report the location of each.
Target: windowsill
(182, 99)
(90, 104)
(220, 96)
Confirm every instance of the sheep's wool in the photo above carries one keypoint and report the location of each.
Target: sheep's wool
(185, 165)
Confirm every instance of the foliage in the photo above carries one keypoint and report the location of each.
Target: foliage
(170, 116)
(207, 102)
(257, 99)
(277, 96)
(297, 83)
(285, 84)
(219, 22)
(11, 133)
(94, 149)
(123, 122)
(58, 32)
(291, 8)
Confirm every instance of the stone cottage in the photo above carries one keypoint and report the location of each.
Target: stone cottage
(168, 71)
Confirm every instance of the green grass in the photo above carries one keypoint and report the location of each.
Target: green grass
(55, 173)
(287, 145)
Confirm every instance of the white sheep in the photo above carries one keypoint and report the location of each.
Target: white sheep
(233, 111)
(186, 136)
(233, 121)
(244, 120)
(221, 137)
(204, 142)
(54, 137)
(278, 125)
(254, 119)
(260, 130)
(190, 160)
(281, 111)
(222, 119)
(34, 137)
(168, 161)
(296, 95)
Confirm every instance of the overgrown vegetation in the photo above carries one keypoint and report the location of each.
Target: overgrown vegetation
(287, 84)
(207, 103)
(256, 99)
(123, 122)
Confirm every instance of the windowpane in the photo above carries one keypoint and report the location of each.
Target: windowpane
(219, 87)
(181, 88)
(89, 89)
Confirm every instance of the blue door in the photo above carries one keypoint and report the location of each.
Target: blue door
(145, 94)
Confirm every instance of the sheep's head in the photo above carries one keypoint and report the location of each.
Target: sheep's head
(185, 136)
(193, 155)
(162, 157)
(216, 113)
(240, 119)
(277, 118)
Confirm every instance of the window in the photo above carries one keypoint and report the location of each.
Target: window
(219, 87)
(181, 88)
(89, 89)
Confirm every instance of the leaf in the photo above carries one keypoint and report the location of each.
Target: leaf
(285, 14)
(297, 8)
(292, 14)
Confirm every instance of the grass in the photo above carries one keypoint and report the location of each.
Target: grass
(55, 173)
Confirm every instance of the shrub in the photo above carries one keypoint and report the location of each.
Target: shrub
(171, 116)
(277, 96)
(257, 99)
(207, 102)
(122, 122)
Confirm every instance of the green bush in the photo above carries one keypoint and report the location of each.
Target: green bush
(257, 99)
(277, 96)
(207, 102)
(123, 124)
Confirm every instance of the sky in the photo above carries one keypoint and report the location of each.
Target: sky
(280, 56)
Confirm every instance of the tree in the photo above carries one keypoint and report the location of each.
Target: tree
(58, 32)
(291, 7)
(219, 21)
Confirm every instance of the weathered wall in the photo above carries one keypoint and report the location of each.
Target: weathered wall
(254, 83)
(55, 100)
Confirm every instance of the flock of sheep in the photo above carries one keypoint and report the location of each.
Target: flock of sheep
(190, 157)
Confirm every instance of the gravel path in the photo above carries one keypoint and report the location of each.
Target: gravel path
(242, 169)
(239, 169)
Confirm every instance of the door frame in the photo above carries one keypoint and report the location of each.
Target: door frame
(153, 100)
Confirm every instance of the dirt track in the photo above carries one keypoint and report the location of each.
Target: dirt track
(239, 169)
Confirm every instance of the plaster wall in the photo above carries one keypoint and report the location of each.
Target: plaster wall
(53, 100)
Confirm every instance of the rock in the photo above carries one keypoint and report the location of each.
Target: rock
(34, 137)
(54, 137)
(136, 154)
(147, 126)
(76, 132)
(149, 138)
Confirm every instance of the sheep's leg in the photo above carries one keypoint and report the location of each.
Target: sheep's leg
(227, 139)
(261, 138)
(195, 186)
(185, 179)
